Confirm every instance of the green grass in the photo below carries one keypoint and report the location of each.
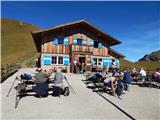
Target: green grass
(17, 43)
(147, 65)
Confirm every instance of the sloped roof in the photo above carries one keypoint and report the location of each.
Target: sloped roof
(104, 36)
(115, 53)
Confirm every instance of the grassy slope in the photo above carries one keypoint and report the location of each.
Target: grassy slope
(147, 65)
(17, 43)
(150, 65)
(156, 53)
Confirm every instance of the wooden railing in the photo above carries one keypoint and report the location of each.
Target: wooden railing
(59, 49)
(62, 49)
(97, 51)
(80, 48)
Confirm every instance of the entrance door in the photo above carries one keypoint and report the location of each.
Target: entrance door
(82, 59)
(82, 66)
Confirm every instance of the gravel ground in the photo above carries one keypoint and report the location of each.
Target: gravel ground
(138, 103)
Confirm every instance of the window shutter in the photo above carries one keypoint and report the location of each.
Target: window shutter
(91, 42)
(66, 41)
(66, 60)
(110, 62)
(83, 42)
(117, 63)
(47, 60)
(105, 61)
(92, 61)
(75, 40)
(55, 41)
(100, 45)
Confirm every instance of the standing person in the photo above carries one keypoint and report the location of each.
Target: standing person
(77, 67)
(83, 66)
(143, 74)
(74, 64)
(127, 79)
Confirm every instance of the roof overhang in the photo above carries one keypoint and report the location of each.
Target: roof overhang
(81, 24)
(115, 53)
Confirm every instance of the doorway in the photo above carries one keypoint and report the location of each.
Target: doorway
(82, 59)
(82, 64)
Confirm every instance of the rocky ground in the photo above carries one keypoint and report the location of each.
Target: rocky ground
(138, 103)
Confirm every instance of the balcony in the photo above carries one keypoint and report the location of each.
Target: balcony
(97, 51)
(59, 49)
(80, 48)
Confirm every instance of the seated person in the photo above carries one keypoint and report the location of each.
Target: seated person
(157, 74)
(97, 76)
(41, 87)
(58, 79)
(58, 83)
(104, 73)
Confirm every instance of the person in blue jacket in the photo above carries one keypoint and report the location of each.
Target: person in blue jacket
(127, 79)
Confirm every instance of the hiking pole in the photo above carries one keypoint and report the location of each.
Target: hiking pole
(11, 87)
(69, 85)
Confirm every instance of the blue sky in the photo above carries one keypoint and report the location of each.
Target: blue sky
(135, 24)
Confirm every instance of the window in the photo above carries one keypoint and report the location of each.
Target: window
(57, 59)
(96, 44)
(94, 61)
(113, 62)
(100, 61)
(54, 60)
(60, 60)
(60, 40)
(79, 41)
(97, 61)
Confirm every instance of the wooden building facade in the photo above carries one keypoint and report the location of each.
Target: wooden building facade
(61, 45)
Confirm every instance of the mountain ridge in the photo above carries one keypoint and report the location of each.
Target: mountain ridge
(153, 56)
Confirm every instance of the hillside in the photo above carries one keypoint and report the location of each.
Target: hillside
(147, 65)
(124, 63)
(150, 61)
(17, 43)
(154, 56)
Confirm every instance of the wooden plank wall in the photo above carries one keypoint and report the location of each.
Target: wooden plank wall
(61, 49)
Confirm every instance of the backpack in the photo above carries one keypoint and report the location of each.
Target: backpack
(66, 91)
(119, 88)
(27, 76)
(57, 91)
